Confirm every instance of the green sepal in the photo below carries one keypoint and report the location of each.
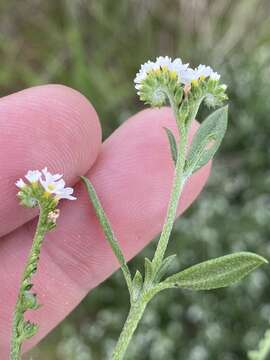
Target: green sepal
(216, 273)
(207, 140)
(172, 142)
(178, 95)
(165, 267)
(137, 284)
(30, 301)
(29, 330)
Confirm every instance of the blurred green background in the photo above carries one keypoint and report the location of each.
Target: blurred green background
(97, 47)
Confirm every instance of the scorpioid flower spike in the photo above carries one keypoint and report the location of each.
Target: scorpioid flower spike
(166, 80)
(43, 187)
(165, 63)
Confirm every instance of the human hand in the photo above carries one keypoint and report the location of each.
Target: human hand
(56, 127)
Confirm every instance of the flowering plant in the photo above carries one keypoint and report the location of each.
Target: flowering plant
(185, 89)
(158, 83)
(43, 190)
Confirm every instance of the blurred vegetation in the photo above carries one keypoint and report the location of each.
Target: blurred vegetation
(97, 47)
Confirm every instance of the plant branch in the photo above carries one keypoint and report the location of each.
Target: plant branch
(20, 327)
(174, 200)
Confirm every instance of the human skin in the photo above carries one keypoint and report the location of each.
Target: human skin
(132, 172)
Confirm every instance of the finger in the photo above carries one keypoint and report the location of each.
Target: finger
(50, 125)
(133, 177)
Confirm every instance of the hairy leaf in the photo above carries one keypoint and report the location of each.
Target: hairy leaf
(107, 229)
(216, 273)
(165, 267)
(137, 284)
(173, 146)
(148, 271)
(207, 140)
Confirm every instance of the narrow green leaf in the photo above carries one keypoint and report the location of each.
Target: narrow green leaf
(172, 142)
(216, 273)
(109, 234)
(207, 140)
(137, 284)
(148, 271)
(165, 267)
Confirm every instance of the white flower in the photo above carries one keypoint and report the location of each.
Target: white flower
(188, 76)
(202, 71)
(20, 183)
(53, 184)
(33, 176)
(162, 62)
(143, 72)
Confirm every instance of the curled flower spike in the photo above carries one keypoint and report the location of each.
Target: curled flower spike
(44, 190)
(41, 186)
(167, 79)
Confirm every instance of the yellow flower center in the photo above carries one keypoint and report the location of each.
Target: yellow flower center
(51, 187)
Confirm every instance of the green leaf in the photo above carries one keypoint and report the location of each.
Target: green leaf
(165, 267)
(107, 229)
(207, 140)
(137, 284)
(148, 272)
(173, 146)
(216, 273)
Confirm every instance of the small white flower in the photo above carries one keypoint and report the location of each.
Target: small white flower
(65, 193)
(33, 176)
(188, 76)
(20, 183)
(143, 72)
(163, 62)
(53, 184)
(201, 71)
(215, 76)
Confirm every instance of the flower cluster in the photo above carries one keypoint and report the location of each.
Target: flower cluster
(184, 73)
(157, 81)
(42, 185)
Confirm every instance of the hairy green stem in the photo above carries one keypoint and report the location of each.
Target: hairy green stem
(174, 200)
(263, 350)
(132, 321)
(137, 309)
(30, 268)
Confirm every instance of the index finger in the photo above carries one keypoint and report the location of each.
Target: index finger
(51, 125)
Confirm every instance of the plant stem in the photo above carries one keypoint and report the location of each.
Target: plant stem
(137, 309)
(174, 200)
(30, 268)
(134, 316)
